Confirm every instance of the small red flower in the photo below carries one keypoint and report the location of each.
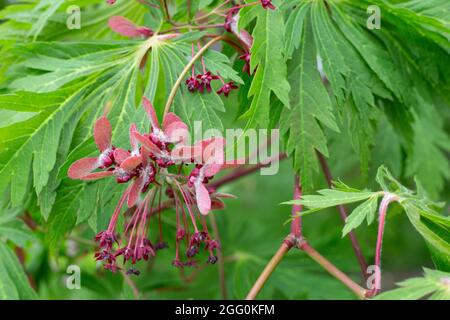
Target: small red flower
(205, 81)
(267, 4)
(192, 84)
(226, 88)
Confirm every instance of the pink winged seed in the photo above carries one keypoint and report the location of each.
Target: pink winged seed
(146, 143)
(148, 106)
(131, 163)
(133, 141)
(120, 155)
(124, 27)
(203, 199)
(170, 118)
(211, 169)
(176, 132)
(82, 167)
(97, 175)
(102, 133)
(185, 153)
(135, 189)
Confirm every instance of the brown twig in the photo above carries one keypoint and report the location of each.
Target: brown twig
(333, 270)
(270, 267)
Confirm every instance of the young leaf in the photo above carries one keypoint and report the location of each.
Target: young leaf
(331, 198)
(365, 210)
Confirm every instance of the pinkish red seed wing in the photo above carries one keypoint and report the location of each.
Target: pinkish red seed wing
(124, 27)
(131, 163)
(82, 168)
(148, 106)
(224, 195)
(203, 199)
(97, 175)
(176, 132)
(169, 119)
(185, 153)
(120, 155)
(133, 141)
(210, 170)
(217, 204)
(145, 32)
(134, 192)
(102, 133)
(146, 143)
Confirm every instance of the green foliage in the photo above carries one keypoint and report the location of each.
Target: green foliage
(270, 76)
(422, 213)
(434, 285)
(323, 78)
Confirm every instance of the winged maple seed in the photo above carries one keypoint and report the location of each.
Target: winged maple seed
(156, 162)
(128, 29)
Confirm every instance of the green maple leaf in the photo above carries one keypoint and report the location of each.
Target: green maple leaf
(270, 75)
(311, 105)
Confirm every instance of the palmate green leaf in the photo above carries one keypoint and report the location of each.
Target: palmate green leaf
(373, 54)
(354, 85)
(45, 9)
(47, 20)
(33, 142)
(270, 76)
(76, 201)
(416, 38)
(311, 105)
(435, 285)
(10, 268)
(77, 61)
(115, 81)
(202, 108)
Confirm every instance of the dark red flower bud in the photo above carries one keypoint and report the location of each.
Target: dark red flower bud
(267, 4)
(226, 88)
(192, 84)
(212, 259)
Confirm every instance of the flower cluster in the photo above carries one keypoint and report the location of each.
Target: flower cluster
(202, 82)
(154, 165)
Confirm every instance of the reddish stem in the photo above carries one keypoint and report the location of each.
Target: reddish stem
(343, 213)
(387, 199)
(241, 172)
(296, 225)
